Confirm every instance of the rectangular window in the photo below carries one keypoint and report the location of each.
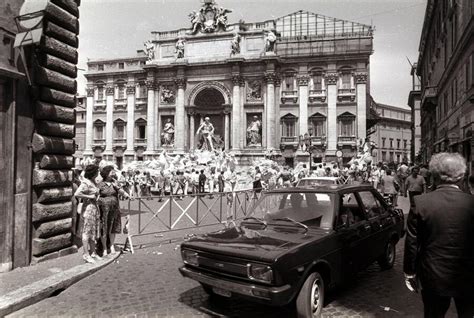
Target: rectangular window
(289, 83)
(289, 128)
(383, 142)
(99, 132)
(391, 142)
(100, 93)
(346, 127)
(398, 143)
(142, 91)
(346, 80)
(390, 158)
(101, 67)
(317, 82)
(405, 144)
(319, 128)
(120, 131)
(384, 156)
(141, 131)
(121, 66)
(121, 92)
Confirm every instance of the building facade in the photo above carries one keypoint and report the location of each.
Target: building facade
(264, 87)
(414, 102)
(80, 138)
(392, 134)
(446, 68)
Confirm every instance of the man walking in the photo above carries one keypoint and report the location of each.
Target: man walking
(439, 247)
(414, 185)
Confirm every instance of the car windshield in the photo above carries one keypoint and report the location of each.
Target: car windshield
(314, 209)
(315, 182)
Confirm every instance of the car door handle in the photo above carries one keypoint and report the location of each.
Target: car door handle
(367, 227)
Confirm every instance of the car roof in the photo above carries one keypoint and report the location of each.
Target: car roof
(333, 188)
(320, 178)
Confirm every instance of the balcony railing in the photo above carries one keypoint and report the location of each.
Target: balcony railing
(140, 140)
(289, 142)
(346, 94)
(318, 140)
(120, 140)
(346, 139)
(317, 95)
(141, 100)
(289, 96)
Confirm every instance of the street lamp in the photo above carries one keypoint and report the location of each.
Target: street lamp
(308, 141)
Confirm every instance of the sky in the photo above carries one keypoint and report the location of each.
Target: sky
(118, 28)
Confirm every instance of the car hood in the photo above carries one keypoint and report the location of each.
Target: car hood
(265, 244)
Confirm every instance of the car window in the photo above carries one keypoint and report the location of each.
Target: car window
(371, 204)
(350, 209)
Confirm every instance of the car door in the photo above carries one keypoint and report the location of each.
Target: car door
(379, 219)
(354, 236)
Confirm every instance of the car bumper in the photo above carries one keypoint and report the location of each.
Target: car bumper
(277, 296)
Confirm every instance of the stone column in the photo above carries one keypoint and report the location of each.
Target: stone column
(191, 130)
(226, 129)
(158, 127)
(150, 118)
(332, 133)
(109, 123)
(270, 110)
(277, 110)
(180, 116)
(303, 99)
(243, 118)
(130, 120)
(236, 113)
(89, 122)
(361, 82)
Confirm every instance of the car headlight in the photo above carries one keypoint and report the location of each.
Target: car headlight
(190, 257)
(259, 272)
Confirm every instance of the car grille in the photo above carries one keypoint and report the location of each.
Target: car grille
(220, 266)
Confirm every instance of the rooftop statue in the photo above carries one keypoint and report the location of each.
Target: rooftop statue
(235, 44)
(270, 40)
(149, 50)
(180, 48)
(209, 18)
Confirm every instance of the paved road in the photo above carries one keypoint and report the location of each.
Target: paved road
(147, 284)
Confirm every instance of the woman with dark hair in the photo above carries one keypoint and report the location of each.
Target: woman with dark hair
(88, 193)
(109, 193)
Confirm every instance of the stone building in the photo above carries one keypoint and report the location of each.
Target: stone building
(414, 101)
(38, 57)
(446, 67)
(80, 138)
(264, 86)
(392, 134)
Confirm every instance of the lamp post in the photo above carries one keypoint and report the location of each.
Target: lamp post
(308, 141)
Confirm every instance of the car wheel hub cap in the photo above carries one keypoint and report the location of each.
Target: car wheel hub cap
(315, 296)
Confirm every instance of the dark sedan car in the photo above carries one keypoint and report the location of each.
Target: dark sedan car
(295, 244)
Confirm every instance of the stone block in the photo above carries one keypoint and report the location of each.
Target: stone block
(61, 17)
(55, 80)
(62, 252)
(55, 162)
(59, 49)
(51, 128)
(56, 64)
(53, 211)
(57, 97)
(49, 178)
(69, 5)
(52, 228)
(61, 34)
(52, 145)
(55, 113)
(47, 195)
(43, 246)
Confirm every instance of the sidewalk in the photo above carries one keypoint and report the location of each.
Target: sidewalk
(28, 285)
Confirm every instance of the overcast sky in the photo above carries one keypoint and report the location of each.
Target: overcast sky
(118, 28)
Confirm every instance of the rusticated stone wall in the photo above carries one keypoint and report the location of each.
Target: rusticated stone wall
(55, 85)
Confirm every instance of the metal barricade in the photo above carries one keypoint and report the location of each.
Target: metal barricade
(159, 214)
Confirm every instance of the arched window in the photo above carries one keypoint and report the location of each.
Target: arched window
(100, 90)
(346, 123)
(318, 122)
(140, 129)
(99, 130)
(120, 89)
(119, 129)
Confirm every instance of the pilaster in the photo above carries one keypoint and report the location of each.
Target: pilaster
(150, 117)
(331, 86)
(109, 123)
(180, 118)
(270, 79)
(361, 91)
(236, 112)
(89, 122)
(303, 99)
(130, 90)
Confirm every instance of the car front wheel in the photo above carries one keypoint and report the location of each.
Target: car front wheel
(387, 260)
(310, 300)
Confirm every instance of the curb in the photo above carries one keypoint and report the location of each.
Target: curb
(37, 291)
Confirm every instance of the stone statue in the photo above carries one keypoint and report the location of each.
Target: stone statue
(221, 18)
(167, 136)
(180, 48)
(209, 18)
(235, 44)
(270, 40)
(254, 92)
(254, 132)
(167, 95)
(149, 50)
(206, 134)
(197, 20)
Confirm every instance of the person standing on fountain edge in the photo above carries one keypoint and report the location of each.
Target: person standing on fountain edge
(439, 247)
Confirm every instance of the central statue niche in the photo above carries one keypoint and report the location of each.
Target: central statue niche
(210, 133)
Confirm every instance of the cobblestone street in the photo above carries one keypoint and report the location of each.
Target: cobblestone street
(148, 284)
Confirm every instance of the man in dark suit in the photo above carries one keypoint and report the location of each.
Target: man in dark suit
(439, 247)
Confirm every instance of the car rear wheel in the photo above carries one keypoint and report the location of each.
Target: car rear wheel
(310, 300)
(387, 260)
